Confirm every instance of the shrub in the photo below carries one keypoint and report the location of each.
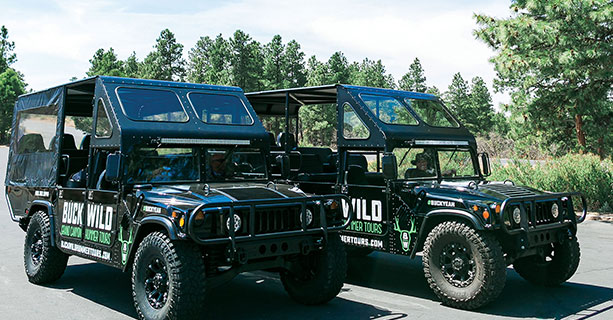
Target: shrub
(583, 173)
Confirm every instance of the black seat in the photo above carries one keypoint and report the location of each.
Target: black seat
(284, 138)
(356, 175)
(31, 142)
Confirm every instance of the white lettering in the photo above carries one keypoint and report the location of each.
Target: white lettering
(361, 210)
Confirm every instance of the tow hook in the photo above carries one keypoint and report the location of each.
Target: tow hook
(305, 248)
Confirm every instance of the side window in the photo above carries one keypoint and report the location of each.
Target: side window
(415, 163)
(103, 125)
(353, 127)
(36, 131)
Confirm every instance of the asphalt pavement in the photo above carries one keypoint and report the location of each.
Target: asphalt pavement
(379, 286)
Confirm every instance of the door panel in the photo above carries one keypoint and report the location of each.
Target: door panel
(70, 214)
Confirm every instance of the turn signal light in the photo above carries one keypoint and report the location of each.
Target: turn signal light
(182, 222)
(486, 214)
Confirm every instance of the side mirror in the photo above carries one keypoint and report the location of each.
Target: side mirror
(113, 167)
(283, 162)
(484, 162)
(390, 168)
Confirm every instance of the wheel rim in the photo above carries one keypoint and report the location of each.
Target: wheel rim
(304, 269)
(457, 264)
(36, 247)
(156, 283)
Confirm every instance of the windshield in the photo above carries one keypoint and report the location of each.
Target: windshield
(174, 165)
(234, 164)
(423, 163)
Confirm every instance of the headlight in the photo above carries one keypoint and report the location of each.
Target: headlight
(309, 217)
(554, 211)
(517, 215)
(237, 223)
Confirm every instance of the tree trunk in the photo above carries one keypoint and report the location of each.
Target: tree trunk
(601, 148)
(580, 133)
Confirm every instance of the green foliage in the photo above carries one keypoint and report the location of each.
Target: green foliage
(209, 61)
(472, 104)
(584, 173)
(555, 58)
(7, 57)
(106, 63)
(371, 73)
(165, 62)
(247, 62)
(414, 80)
(11, 84)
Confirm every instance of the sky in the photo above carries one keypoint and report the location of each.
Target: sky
(54, 40)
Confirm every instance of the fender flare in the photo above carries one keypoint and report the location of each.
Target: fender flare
(159, 221)
(162, 221)
(50, 213)
(455, 214)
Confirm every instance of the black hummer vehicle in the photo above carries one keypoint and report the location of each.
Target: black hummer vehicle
(417, 184)
(169, 180)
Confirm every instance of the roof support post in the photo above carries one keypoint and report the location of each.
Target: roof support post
(287, 146)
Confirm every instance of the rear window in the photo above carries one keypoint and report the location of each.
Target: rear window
(219, 109)
(151, 105)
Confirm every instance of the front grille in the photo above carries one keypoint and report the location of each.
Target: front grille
(277, 220)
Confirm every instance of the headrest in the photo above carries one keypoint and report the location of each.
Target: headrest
(69, 143)
(85, 143)
(281, 140)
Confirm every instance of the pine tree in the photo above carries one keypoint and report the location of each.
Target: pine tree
(165, 62)
(11, 84)
(555, 58)
(105, 63)
(247, 62)
(414, 80)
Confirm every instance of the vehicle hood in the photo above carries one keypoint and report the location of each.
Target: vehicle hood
(489, 191)
(188, 196)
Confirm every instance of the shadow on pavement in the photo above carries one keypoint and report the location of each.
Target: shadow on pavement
(258, 295)
(519, 298)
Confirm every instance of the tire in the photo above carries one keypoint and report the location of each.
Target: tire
(181, 264)
(353, 251)
(557, 264)
(476, 275)
(319, 276)
(43, 262)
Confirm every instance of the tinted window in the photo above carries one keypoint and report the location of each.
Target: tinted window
(36, 131)
(353, 127)
(151, 105)
(163, 165)
(220, 109)
(103, 125)
(388, 109)
(432, 112)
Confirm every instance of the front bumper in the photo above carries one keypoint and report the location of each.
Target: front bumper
(251, 238)
(535, 229)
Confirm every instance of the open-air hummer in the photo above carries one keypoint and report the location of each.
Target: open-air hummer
(169, 180)
(417, 184)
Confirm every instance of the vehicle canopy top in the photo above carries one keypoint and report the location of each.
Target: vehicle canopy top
(379, 110)
(135, 111)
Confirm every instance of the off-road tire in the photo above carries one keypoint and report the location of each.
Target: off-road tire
(488, 268)
(43, 262)
(562, 264)
(322, 274)
(353, 251)
(183, 266)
